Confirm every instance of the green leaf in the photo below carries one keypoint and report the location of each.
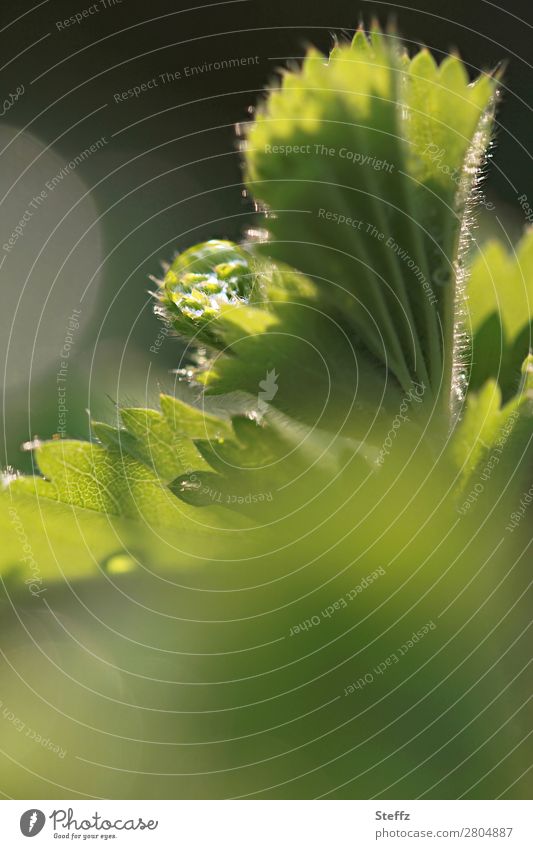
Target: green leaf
(270, 465)
(367, 180)
(500, 311)
(447, 124)
(148, 436)
(112, 500)
(127, 475)
(185, 420)
(44, 541)
(490, 432)
(478, 429)
(98, 478)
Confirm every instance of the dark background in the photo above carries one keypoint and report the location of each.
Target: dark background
(169, 174)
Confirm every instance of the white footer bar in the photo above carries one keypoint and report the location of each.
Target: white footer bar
(268, 824)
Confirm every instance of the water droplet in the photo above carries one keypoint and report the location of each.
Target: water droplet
(119, 564)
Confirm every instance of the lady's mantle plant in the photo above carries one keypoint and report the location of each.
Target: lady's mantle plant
(325, 526)
(351, 293)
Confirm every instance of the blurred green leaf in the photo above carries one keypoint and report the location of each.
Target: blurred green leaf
(500, 312)
(490, 432)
